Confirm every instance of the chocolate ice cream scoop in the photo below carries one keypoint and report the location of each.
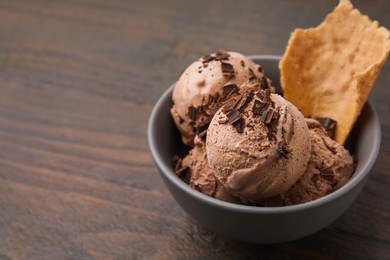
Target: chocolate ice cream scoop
(205, 84)
(329, 168)
(258, 147)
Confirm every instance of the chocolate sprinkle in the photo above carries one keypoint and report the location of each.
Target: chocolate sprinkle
(229, 90)
(252, 75)
(227, 69)
(222, 55)
(266, 117)
(202, 134)
(242, 102)
(239, 125)
(233, 116)
(219, 56)
(264, 83)
(283, 149)
(207, 58)
(234, 103)
(249, 97)
(264, 107)
(259, 107)
(267, 94)
(191, 113)
(327, 173)
(210, 100)
(329, 125)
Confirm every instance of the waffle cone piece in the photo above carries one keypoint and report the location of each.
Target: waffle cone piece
(329, 70)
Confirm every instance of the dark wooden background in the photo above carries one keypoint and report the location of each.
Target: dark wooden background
(78, 80)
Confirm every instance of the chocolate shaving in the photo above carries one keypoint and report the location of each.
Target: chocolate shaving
(264, 83)
(202, 134)
(264, 116)
(249, 97)
(210, 100)
(252, 75)
(327, 173)
(264, 95)
(272, 127)
(242, 63)
(229, 90)
(227, 69)
(259, 107)
(226, 106)
(191, 113)
(267, 116)
(242, 102)
(222, 55)
(235, 102)
(239, 125)
(260, 69)
(283, 149)
(233, 116)
(219, 56)
(329, 125)
(271, 134)
(207, 58)
(264, 107)
(267, 94)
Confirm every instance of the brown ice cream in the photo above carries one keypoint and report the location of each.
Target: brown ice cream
(205, 84)
(329, 168)
(263, 152)
(202, 176)
(248, 145)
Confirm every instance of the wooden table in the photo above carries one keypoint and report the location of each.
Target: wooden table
(78, 80)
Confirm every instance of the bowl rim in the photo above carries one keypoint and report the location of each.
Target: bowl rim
(167, 171)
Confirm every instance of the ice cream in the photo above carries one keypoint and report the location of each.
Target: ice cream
(205, 84)
(329, 168)
(202, 176)
(260, 149)
(248, 145)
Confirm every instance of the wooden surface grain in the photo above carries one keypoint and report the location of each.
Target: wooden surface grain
(78, 80)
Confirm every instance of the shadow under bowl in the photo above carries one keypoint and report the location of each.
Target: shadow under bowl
(253, 224)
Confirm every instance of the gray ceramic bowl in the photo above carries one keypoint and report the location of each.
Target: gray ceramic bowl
(261, 224)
